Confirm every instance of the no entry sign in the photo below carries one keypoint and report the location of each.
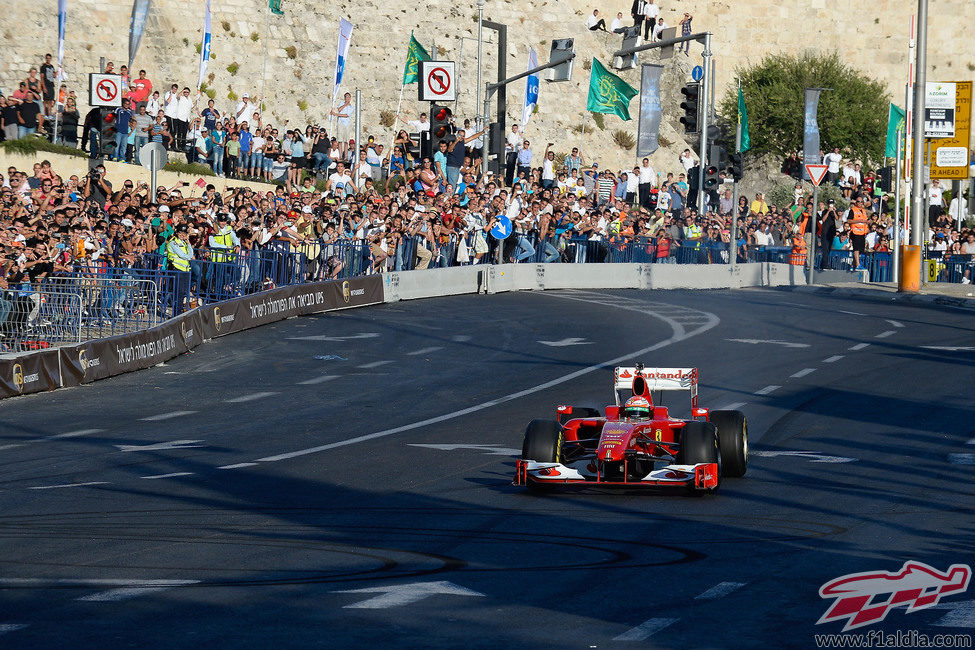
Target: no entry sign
(104, 90)
(437, 83)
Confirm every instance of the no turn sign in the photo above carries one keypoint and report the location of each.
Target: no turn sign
(104, 90)
(437, 81)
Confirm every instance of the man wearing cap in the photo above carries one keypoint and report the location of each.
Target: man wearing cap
(180, 254)
(224, 242)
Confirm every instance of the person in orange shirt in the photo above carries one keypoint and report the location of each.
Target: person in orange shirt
(858, 230)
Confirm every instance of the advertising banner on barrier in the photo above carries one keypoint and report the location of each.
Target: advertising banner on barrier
(127, 352)
(269, 306)
(30, 373)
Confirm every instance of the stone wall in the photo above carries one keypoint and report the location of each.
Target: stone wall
(872, 37)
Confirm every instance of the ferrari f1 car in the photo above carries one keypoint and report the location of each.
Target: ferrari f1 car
(636, 443)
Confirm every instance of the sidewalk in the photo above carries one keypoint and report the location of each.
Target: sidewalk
(939, 293)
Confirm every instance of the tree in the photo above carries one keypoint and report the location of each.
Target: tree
(852, 115)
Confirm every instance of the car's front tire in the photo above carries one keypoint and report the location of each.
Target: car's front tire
(732, 441)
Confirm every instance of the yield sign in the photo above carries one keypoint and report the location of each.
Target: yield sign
(816, 173)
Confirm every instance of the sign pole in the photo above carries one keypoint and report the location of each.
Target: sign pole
(705, 108)
(733, 239)
(897, 209)
(152, 176)
(814, 217)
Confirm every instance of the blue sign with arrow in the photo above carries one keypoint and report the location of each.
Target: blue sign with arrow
(502, 229)
(697, 73)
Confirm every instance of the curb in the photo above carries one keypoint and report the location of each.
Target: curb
(881, 295)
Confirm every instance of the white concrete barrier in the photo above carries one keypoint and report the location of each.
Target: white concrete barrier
(499, 278)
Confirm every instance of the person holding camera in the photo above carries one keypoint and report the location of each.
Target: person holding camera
(97, 187)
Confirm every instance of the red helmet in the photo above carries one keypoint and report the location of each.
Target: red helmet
(637, 407)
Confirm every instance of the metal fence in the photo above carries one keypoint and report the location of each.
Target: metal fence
(36, 318)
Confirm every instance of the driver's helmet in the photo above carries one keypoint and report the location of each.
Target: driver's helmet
(637, 408)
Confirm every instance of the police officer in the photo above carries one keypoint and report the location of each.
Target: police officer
(180, 255)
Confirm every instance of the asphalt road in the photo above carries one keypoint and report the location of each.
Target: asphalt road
(345, 480)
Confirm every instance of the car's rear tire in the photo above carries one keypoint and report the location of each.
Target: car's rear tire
(543, 442)
(579, 412)
(699, 444)
(732, 441)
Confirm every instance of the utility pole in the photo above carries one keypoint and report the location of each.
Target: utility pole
(920, 82)
(733, 240)
(480, 47)
(705, 110)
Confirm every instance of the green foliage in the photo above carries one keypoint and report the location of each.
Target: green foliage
(254, 36)
(600, 120)
(196, 169)
(232, 96)
(226, 25)
(30, 146)
(291, 51)
(233, 68)
(186, 41)
(199, 46)
(211, 93)
(782, 195)
(387, 118)
(587, 64)
(302, 105)
(852, 115)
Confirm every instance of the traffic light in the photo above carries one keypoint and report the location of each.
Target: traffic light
(737, 167)
(712, 178)
(631, 38)
(691, 104)
(886, 179)
(561, 47)
(106, 133)
(441, 127)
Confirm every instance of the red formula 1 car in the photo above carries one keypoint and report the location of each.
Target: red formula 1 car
(636, 444)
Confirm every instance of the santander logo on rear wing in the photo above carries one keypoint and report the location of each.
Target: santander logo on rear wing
(658, 378)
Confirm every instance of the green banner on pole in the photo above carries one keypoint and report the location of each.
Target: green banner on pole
(608, 93)
(414, 55)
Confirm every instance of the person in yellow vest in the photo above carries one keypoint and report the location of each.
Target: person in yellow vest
(224, 242)
(180, 255)
(858, 230)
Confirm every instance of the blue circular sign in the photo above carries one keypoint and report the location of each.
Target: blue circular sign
(502, 229)
(697, 73)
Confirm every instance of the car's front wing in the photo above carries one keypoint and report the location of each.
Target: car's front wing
(702, 476)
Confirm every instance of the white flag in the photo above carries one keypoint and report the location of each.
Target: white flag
(531, 89)
(62, 20)
(205, 48)
(345, 35)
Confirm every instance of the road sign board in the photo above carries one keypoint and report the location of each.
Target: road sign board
(817, 173)
(105, 90)
(697, 73)
(502, 230)
(150, 162)
(943, 153)
(437, 82)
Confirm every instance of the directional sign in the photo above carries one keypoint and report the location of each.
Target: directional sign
(398, 595)
(437, 82)
(697, 73)
(153, 156)
(105, 90)
(502, 230)
(816, 173)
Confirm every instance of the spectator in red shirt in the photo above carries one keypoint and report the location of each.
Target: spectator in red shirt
(141, 89)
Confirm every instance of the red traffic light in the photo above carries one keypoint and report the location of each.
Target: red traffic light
(109, 118)
(711, 171)
(442, 114)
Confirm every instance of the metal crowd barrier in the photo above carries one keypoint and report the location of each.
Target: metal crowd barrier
(113, 300)
(34, 317)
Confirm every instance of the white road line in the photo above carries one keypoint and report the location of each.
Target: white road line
(249, 398)
(852, 313)
(415, 353)
(12, 627)
(170, 475)
(733, 406)
(461, 338)
(645, 630)
(237, 465)
(884, 335)
(317, 380)
(680, 334)
(767, 390)
(123, 593)
(166, 416)
(895, 323)
(860, 346)
(833, 359)
(12, 446)
(74, 434)
(961, 459)
(719, 590)
(793, 304)
(67, 485)
(374, 364)
(971, 442)
(802, 373)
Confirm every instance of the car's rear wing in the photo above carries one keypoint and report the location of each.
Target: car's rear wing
(629, 379)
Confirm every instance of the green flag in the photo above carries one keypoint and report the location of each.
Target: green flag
(275, 6)
(746, 140)
(414, 55)
(895, 121)
(608, 93)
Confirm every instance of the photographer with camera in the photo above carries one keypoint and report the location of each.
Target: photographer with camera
(97, 187)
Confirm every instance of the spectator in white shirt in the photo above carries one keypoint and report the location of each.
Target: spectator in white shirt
(594, 22)
(647, 181)
(617, 26)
